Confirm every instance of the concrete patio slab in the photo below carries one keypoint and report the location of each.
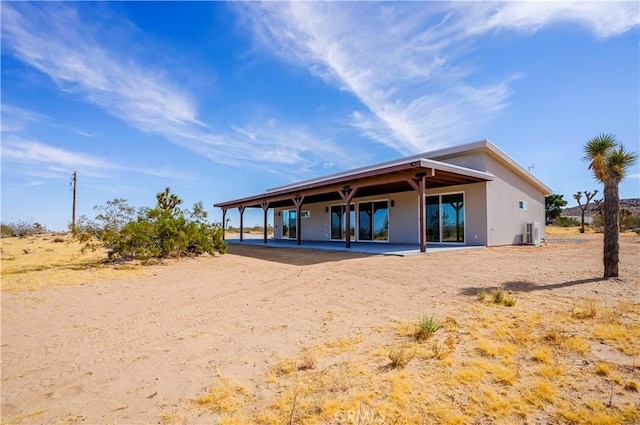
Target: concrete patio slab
(373, 248)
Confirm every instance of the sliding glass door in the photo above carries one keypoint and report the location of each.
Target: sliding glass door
(339, 222)
(433, 219)
(453, 218)
(445, 218)
(373, 221)
(289, 224)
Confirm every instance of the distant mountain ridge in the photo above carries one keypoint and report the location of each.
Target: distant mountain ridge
(631, 204)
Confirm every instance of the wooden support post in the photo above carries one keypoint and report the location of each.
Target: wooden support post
(422, 198)
(419, 184)
(224, 222)
(347, 194)
(241, 209)
(265, 208)
(297, 201)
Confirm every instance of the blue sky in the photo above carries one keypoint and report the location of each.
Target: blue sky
(221, 100)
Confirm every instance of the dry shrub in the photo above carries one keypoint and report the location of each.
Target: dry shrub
(585, 310)
(401, 355)
(308, 358)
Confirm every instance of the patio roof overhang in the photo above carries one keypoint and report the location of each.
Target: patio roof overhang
(392, 177)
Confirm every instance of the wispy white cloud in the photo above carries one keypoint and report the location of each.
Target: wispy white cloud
(42, 161)
(26, 151)
(38, 162)
(60, 43)
(401, 60)
(82, 132)
(603, 18)
(14, 118)
(54, 39)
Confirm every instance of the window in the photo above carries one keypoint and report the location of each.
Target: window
(285, 223)
(445, 218)
(453, 218)
(289, 224)
(433, 219)
(373, 221)
(523, 205)
(339, 221)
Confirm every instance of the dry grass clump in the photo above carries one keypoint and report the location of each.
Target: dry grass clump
(603, 369)
(308, 358)
(543, 354)
(587, 309)
(426, 327)
(498, 296)
(225, 396)
(401, 355)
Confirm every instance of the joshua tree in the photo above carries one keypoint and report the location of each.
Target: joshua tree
(609, 161)
(583, 208)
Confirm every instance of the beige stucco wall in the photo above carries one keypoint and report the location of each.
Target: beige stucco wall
(403, 218)
(506, 221)
(314, 228)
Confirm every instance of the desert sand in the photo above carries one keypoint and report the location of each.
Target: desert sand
(150, 345)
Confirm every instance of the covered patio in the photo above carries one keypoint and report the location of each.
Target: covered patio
(409, 174)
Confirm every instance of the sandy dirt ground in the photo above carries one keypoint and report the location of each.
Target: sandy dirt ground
(140, 349)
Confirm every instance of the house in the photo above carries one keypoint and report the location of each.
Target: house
(468, 195)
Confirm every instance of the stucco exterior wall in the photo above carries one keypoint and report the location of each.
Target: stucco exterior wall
(314, 228)
(403, 218)
(505, 219)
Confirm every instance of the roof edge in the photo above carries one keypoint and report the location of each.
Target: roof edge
(496, 152)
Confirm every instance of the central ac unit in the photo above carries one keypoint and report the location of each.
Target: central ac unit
(532, 234)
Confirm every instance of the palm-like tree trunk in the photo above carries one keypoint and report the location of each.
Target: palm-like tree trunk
(611, 216)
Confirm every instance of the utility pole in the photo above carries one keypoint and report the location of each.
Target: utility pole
(74, 183)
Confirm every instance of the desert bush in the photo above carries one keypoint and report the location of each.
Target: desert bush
(160, 232)
(5, 230)
(22, 228)
(567, 222)
(426, 327)
(629, 221)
